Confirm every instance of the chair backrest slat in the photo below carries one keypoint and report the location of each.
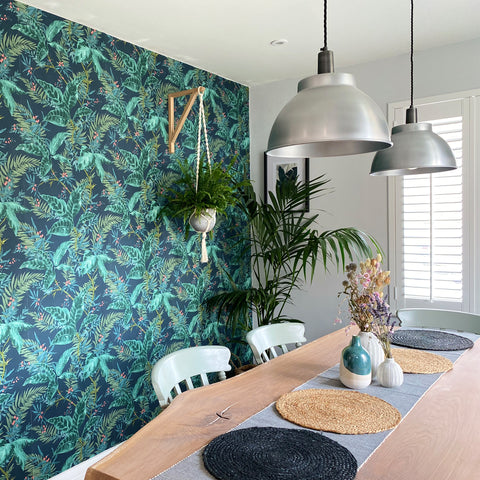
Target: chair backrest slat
(273, 353)
(178, 390)
(204, 379)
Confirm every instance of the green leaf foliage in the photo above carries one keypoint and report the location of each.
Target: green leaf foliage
(7, 89)
(286, 248)
(215, 189)
(94, 287)
(10, 210)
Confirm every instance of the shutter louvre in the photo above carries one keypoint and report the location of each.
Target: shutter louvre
(432, 226)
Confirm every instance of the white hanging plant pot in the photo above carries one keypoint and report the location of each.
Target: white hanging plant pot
(390, 373)
(374, 348)
(204, 222)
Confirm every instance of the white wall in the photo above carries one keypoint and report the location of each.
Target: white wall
(358, 200)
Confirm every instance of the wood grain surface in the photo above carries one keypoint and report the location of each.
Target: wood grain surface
(438, 439)
(191, 421)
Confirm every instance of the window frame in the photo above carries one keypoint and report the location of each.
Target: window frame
(470, 107)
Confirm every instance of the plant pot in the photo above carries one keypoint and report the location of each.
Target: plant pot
(204, 222)
(355, 366)
(374, 348)
(389, 373)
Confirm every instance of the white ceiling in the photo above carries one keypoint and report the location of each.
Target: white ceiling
(232, 37)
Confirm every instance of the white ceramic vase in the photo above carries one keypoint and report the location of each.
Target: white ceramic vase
(389, 373)
(374, 348)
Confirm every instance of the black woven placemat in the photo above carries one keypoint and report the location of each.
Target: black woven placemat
(268, 453)
(431, 340)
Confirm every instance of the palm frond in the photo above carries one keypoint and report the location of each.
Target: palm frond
(286, 248)
(14, 45)
(18, 287)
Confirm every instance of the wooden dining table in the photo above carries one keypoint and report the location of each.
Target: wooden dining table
(438, 439)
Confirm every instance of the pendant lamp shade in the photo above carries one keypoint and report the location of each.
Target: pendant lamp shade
(329, 116)
(416, 150)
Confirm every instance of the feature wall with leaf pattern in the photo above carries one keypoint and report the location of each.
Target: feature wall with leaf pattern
(92, 289)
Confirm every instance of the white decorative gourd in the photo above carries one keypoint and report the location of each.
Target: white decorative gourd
(389, 373)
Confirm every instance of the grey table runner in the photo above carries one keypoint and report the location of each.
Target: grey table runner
(361, 446)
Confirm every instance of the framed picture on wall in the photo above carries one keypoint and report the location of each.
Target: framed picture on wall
(278, 169)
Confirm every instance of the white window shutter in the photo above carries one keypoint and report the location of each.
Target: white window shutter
(432, 237)
(434, 220)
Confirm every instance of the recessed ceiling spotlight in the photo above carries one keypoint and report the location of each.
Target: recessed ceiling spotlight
(280, 41)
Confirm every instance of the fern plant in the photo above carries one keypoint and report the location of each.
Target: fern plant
(286, 248)
(216, 190)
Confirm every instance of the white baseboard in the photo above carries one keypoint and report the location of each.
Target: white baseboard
(78, 471)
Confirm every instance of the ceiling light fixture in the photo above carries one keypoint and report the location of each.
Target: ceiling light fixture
(279, 42)
(416, 148)
(329, 116)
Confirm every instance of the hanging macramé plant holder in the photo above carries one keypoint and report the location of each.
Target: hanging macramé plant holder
(205, 222)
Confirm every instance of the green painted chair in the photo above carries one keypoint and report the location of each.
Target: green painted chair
(442, 319)
(180, 366)
(264, 340)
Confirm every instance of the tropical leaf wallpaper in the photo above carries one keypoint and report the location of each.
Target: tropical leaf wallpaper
(93, 290)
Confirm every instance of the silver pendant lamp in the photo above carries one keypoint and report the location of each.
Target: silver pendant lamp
(329, 116)
(416, 148)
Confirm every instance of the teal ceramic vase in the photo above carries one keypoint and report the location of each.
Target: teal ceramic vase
(355, 365)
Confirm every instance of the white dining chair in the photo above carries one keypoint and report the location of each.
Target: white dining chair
(181, 366)
(264, 340)
(437, 318)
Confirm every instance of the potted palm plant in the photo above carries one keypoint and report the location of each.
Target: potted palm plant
(286, 248)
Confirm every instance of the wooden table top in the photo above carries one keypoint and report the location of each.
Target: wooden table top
(438, 439)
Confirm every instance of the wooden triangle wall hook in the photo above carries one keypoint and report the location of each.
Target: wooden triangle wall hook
(174, 130)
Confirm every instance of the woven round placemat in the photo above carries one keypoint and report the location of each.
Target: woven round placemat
(339, 411)
(430, 340)
(418, 361)
(268, 453)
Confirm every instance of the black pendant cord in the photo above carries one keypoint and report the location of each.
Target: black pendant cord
(325, 56)
(325, 48)
(411, 54)
(412, 111)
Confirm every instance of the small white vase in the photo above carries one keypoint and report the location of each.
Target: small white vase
(374, 348)
(389, 373)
